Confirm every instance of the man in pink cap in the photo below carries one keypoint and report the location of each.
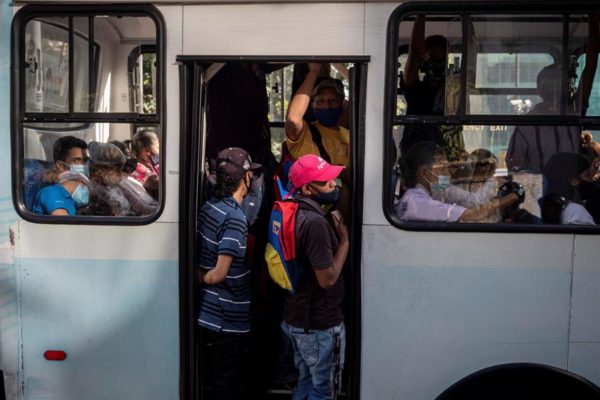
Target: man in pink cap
(313, 318)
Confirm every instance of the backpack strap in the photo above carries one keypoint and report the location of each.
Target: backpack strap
(318, 141)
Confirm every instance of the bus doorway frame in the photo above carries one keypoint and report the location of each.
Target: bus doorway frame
(192, 143)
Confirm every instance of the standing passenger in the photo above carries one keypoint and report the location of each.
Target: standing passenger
(313, 318)
(325, 136)
(429, 55)
(224, 276)
(531, 147)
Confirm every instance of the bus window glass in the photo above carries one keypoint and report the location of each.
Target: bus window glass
(279, 91)
(511, 162)
(83, 77)
(429, 81)
(142, 79)
(111, 165)
(117, 89)
(47, 65)
(74, 73)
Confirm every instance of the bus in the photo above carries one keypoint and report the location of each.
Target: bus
(103, 304)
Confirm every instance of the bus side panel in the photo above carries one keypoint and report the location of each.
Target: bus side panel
(108, 297)
(439, 306)
(584, 350)
(9, 322)
(376, 17)
(173, 21)
(302, 29)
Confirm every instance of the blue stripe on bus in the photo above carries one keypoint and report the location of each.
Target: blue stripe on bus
(117, 319)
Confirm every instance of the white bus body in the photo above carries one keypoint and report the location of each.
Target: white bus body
(436, 305)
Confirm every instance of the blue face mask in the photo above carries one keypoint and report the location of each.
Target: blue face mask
(329, 198)
(443, 182)
(154, 159)
(81, 196)
(328, 116)
(83, 169)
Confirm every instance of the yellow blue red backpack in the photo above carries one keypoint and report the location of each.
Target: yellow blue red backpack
(280, 254)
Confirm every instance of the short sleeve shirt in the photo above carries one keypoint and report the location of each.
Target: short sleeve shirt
(222, 230)
(417, 205)
(52, 198)
(316, 245)
(336, 142)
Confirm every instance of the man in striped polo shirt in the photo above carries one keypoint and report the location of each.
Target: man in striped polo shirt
(224, 277)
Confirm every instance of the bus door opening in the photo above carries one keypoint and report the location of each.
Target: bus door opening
(244, 104)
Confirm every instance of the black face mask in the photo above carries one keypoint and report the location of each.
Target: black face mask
(329, 198)
(433, 70)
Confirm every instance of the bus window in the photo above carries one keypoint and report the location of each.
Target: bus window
(279, 91)
(487, 120)
(142, 79)
(86, 100)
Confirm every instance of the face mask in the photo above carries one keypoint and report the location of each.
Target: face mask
(329, 198)
(328, 116)
(443, 181)
(80, 169)
(154, 159)
(434, 71)
(81, 196)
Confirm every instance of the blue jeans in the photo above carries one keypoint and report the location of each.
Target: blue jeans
(319, 358)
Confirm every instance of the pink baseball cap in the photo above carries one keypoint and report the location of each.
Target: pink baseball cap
(311, 167)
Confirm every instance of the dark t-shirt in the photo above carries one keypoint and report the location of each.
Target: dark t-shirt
(316, 246)
(422, 99)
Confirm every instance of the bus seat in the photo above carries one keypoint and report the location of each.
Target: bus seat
(521, 381)
(33, 179)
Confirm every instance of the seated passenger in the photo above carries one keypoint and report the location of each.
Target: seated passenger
(112, 187)
(130, 161)
(425, 172)
(70, 155)
(562, 202)
(531, 147)
(145, 149)
(63, 198)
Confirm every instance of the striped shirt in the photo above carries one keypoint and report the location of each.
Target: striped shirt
(222, 230)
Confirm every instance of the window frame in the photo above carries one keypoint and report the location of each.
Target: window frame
(391, 119)
(20, 118)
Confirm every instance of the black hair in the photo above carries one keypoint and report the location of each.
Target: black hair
(420, 155)
(226, 184)
(142, 140)
(435, 41)
(63, 144)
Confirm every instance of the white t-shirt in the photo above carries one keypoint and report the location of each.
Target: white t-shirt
(576, 214)
(417, 205)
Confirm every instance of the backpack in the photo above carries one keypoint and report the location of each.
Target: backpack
(280, 254)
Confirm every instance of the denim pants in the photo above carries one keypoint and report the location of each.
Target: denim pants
(319, 358)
